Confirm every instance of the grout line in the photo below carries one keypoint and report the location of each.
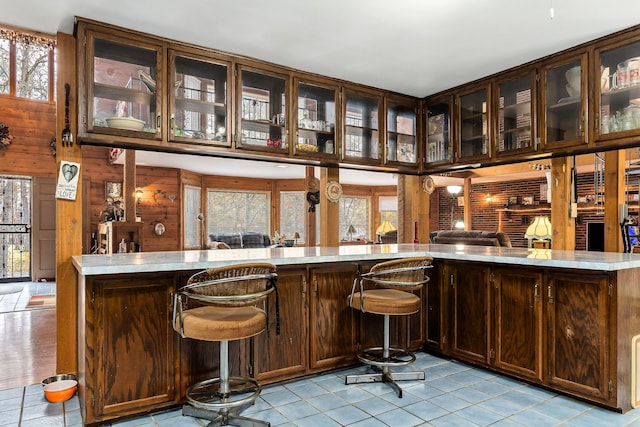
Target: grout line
(24, 392)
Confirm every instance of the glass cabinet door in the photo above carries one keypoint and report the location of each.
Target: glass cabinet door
(401, 133)
(438, 132)
(123, 95)
(515, 115)
(361, 127)
(619, 109)
(564, 106)
(262, 105)
(316, 119)
(474, 131)
(198, 94)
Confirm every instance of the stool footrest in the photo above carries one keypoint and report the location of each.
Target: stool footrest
(223, 418)
(386, 377)
(375, 356)
(243, 391)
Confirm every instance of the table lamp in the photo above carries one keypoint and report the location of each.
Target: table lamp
(540, 229)
(296, 236)
(350, 231)
(384, 228)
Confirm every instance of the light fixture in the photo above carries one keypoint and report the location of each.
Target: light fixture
(458, 224)
(296, 236)
(490, 199)
(540, 229)
(454, 189)
(384, 228)
(138, 194)
(350, 231)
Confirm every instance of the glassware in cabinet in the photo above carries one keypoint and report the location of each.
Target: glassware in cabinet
(316, 119)
(124, 90)
(438, 132)
(262, 105)
(563, 99)
(474, 130)
(401, 133)
(515, 115)
(198, 100)
(361, 126)
(619, 108)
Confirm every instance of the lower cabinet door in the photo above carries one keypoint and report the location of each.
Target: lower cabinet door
(282, 356)
(470, 301)
(577, 307)
(518, 322)
(133, 343)
(332, 330)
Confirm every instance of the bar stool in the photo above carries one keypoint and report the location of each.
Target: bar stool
(226, 308)
(394, 282)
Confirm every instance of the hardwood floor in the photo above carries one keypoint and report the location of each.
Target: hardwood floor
(27, 347)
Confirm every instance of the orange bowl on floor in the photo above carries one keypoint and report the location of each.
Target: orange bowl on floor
(59, 391)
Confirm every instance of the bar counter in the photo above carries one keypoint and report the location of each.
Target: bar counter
(88, 265)
(565, 320)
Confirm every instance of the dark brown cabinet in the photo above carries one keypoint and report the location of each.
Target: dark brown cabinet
(284, 355)
(515, 117)
(517, 304)
(316, 119)
(470, 305)
(129, 347)
(578, 334)
(474, 131)
(333, 332)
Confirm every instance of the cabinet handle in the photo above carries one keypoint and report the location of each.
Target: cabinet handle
(172, 123)
(550, 294)
(304, 287)
(158, 123)
(536, 293)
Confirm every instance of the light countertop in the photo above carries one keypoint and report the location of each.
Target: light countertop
(148, 262)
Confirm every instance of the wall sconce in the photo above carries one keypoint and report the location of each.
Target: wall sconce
(490, 199)
(138, 194)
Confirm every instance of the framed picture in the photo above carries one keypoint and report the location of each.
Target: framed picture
(513, 200)
(113, 189)
(527, 200)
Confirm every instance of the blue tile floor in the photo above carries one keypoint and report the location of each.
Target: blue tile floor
(454, 394)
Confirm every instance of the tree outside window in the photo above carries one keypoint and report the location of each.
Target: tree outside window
(355, 211)
(292, 214)
(237, 212)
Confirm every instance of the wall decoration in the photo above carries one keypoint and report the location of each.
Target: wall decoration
(334, 191)
(68, 180)
(528, 200)
(428, 186)
(5, 136)
(112, 189)
(513, 200)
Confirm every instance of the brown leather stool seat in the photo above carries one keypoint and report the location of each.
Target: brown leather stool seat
(392, 295)
(228, 304)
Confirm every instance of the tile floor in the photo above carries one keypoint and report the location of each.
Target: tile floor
(454, 394)
(18, 300)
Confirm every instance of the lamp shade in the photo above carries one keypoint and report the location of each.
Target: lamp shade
(385, 227)
(351, 229)
(454, 189)
(296, 235)
(540, 229)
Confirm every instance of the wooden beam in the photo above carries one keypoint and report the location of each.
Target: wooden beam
(329, 211)
(411, 210)
(564, 227)
(310, 238)
(129, 186)
(68, 214)
(614, 186)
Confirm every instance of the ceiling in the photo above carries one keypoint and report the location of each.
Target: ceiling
(414, 47)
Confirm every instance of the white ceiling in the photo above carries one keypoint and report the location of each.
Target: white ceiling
(414, 47)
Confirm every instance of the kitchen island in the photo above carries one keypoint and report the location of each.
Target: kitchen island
(561, 319)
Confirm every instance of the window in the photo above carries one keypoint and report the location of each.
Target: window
(355, 211)
(26, 65)
(192, 221)
(292, 214)
(237, 212)
(388, 209)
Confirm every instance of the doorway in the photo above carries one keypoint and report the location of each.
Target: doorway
(15, 229)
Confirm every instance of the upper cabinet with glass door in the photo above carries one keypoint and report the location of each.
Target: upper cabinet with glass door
(515, 115)
(401, 127)
(198, 106)
(618, 113)
(262, 107)
(361, 128)
(439, 148)
(123, 87)
(315, 119)
(473, 127)
(564, 102)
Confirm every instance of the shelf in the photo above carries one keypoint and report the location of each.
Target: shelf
(259, 125)
(117, 93)
(198, 106)
(317, 132)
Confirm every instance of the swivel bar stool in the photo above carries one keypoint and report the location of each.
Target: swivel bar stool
(392, 295)
(228, 305)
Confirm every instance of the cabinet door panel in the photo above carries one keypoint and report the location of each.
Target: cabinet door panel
(470, 299)
(577, 307)
(332, 326)
(518, 323)
(281, 356)
(436, 308)
(134, 345)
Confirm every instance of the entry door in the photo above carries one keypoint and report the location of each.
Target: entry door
(44, 229)
(15, 229)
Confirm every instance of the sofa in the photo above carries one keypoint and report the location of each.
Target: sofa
(239, 240)
(471, 237)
